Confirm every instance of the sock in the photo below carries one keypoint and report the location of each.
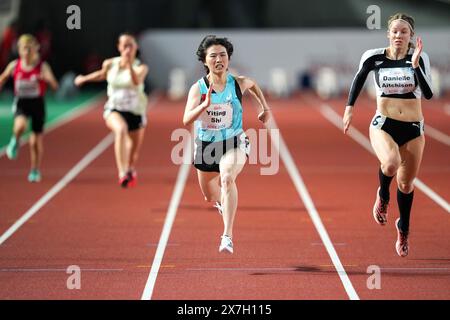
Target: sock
(385, 182)
(404, 201)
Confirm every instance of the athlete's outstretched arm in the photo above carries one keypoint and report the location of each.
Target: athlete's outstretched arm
(7, 73)
(193, 107)
(251, 85)
(99, 75)
(365, 66)
(48, 76)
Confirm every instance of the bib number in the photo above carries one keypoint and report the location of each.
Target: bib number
(125, 100)
(27, 88)
(217, 117)
(396, 80)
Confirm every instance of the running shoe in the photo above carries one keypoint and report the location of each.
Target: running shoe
(226, 244)
(124, 180)
(219, 207)
(401, 245)
(380, 209)
(132, 178)
(34, 175)
(12, 150)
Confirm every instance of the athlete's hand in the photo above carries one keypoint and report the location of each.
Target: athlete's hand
(347, 119)
(264, 116)
(206, 103)
(79, 80)
(127, 62)
(416, 54)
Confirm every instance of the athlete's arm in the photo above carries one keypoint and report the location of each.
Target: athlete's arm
(365, 66)
(96, 76)
(193, 107)
(7, 73)
(251, 85)
(421, 64)
(138, 74)
(49, 77)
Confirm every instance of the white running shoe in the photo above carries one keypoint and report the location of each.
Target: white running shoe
(226, 244)
(219, 207)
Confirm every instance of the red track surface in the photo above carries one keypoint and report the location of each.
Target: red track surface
(112, 234)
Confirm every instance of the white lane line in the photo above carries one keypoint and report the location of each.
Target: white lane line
(80, 166)
(183, 174)
(56, 270)
(64, 118)
(447, 109)
(335, 119)
(294, 173)
(437, 135)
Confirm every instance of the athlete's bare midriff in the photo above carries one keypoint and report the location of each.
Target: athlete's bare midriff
(400, 109)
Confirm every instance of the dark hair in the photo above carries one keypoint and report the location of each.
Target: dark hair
(127, 34)
(212, 40)
(132, 35)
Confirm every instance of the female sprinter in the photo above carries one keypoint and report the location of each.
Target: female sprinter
(31, 76)
(402, 76)
(221, 146)
(125, 111)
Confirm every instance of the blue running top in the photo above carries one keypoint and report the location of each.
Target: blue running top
(222, 120)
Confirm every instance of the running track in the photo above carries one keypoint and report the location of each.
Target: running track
(280, 253)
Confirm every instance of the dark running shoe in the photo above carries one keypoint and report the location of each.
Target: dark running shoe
(124, 181)
(132, 178)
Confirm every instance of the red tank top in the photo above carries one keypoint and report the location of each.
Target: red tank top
(27, 84)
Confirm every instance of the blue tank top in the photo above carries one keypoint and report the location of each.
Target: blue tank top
(222, 120)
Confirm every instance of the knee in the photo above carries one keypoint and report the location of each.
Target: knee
(32, 143)
(405, 186)
(227, 181)
(391, 166)
(120, 131)
(208, 198)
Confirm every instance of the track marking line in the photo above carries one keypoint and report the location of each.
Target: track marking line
(80, 166)
(56, 270)
(447, 109)
(64, 118)
(294, 173)
(356, 135)
(437, 135)
(183, 174)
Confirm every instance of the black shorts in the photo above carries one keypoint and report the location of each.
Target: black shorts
(400, 131)
(207, 155)
(33, 108)
(134, 121)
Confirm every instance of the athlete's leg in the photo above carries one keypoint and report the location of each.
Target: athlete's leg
(117, 124)
(388, 154)
(231, 164)
(136, 137)
(210, 185)
(36, 149)
(20, 125)
(411, 155)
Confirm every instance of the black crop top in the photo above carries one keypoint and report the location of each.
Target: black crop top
(393, 78)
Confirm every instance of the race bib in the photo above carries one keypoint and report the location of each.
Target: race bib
(217, 117)
(396, 80)
(125, 99)
(27, 88)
